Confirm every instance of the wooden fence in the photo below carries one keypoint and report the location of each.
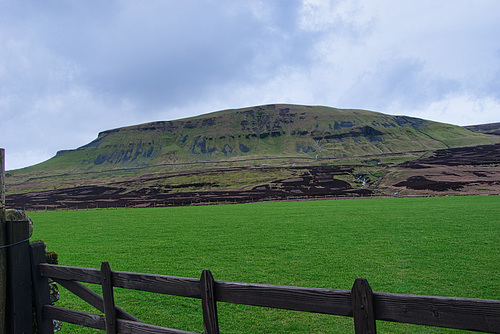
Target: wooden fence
(27, 266)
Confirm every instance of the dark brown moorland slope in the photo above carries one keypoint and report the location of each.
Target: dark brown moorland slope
(458, 171)
(490, 129)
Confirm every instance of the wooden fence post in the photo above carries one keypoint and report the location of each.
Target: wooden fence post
(19, 313)
(363, 307)
(3, 259)
(209, 303)
(109, 300)
(41, 292)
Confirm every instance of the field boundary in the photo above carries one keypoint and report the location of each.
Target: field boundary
(360, 303)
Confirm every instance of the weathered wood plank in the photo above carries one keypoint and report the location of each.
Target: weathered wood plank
(171, 285)
(327, 301)
(40, 288)
(458, 313)
(74, 317)
(108, 297)
(131, 327)
(208, 302)
(362, 307)
(19, 313)
(92, 298)
(87, 275)
(98, 322)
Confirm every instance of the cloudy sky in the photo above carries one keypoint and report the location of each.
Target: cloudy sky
(70, 68)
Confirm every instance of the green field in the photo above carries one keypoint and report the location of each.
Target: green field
(447, 246)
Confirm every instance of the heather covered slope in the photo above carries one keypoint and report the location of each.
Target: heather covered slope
(490, 129)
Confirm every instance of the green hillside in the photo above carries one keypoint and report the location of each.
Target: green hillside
(288, 131)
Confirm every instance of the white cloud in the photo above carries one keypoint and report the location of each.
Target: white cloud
(325, 15)
(461, 109)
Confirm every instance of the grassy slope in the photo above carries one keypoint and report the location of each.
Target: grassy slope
(445, 246)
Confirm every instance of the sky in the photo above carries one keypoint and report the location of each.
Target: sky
(70, 68)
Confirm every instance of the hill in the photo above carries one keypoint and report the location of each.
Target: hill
(274, 131)
(285, 149)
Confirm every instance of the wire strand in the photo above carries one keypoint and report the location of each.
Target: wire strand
(15, 243)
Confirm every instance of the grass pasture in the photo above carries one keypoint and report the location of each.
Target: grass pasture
(446, 246)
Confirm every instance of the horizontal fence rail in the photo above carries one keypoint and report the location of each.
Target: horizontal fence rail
(360, 303)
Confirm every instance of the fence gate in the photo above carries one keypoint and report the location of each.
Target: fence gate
(360, 303)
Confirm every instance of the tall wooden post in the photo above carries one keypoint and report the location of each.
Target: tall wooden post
(363, 307)
(3, 259)
(108, 298)
(19, 313)
(2, 178)
(40, 288)
(209, 303)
